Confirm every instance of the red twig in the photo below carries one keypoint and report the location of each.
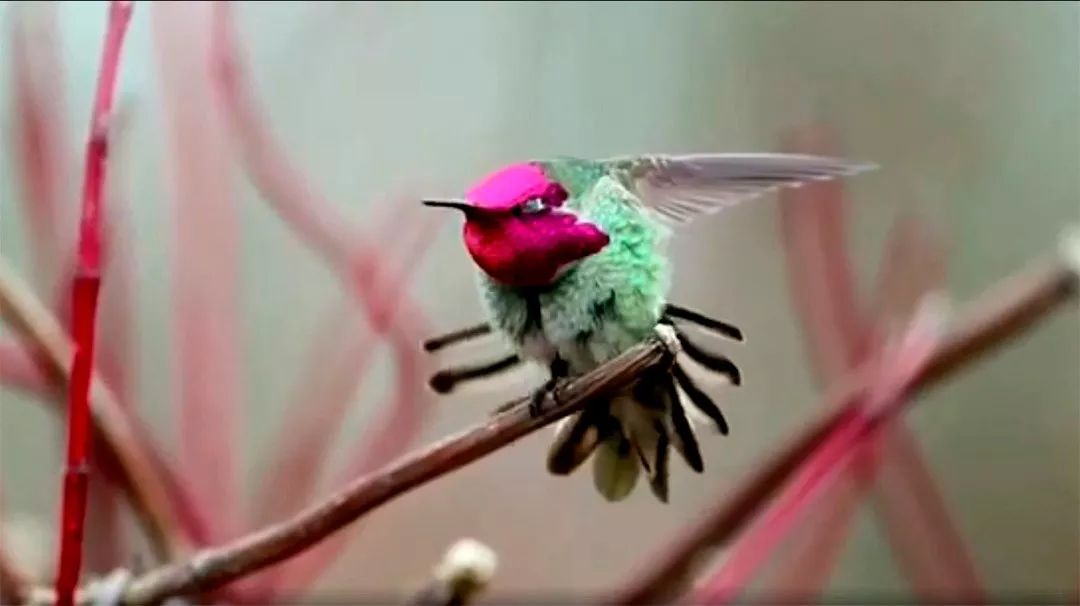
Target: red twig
(117, 364)
(912, 265)
(839, 338)
(895, 374)
(84, 308)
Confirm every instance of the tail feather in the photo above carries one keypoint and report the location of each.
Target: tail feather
(615, 468)
(658, 479)
(577, 439)
(683, 437)
(632, 431)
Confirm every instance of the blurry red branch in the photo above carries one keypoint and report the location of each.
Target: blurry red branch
(1003, 312)
(39, 138)
(84, 300)
(368, 273)
(313, 218)
(840, 335)
(206, 277)
(896, 368)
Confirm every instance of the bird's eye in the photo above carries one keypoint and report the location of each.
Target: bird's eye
(533, 206)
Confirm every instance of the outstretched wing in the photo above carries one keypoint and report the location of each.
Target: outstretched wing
(683, 187)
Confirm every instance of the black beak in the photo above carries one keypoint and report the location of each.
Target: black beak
(461, 205)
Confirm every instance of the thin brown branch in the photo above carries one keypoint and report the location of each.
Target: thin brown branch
(208, 331)
(140, 478)
(212, 568)
(1003, 312)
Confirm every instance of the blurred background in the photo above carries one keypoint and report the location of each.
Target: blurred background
(971, 109)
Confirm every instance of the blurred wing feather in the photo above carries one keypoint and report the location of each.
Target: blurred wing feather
(681, 188)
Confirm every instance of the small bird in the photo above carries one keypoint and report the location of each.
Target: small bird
(572, 271)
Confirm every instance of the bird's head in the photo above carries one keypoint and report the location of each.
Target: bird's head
(517, 230)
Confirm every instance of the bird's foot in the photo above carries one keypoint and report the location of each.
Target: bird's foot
(559, 370)
(536, 401)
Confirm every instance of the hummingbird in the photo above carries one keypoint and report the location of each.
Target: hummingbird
(572, 270)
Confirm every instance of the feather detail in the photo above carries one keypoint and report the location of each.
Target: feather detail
(684, 187)
(683, 438)
(615, 468)
(576, 440)
(658, 479)
(638, 415)
(700, 399)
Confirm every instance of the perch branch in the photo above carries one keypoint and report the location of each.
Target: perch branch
(214, 567)
(1003, 312)
(143, 483)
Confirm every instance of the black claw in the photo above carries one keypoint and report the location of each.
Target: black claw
(536, 402)
(559, 369)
